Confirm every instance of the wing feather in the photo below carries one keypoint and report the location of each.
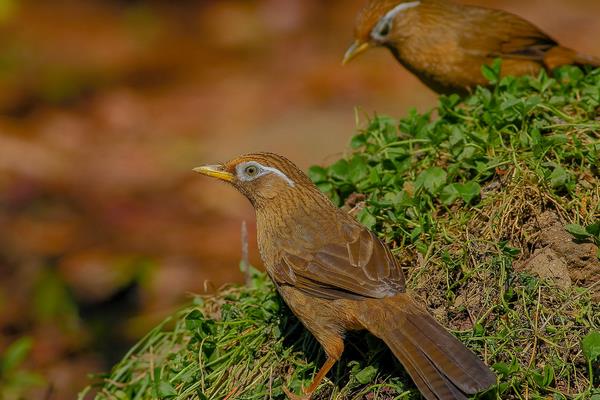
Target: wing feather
(361, 267)
(497, 33)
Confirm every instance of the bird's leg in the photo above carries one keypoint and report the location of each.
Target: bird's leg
(320, 375)
(315, 383)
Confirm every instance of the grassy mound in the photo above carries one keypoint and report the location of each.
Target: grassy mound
(492, 204)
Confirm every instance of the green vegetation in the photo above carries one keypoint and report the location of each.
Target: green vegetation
(14, 377)
(468, 195)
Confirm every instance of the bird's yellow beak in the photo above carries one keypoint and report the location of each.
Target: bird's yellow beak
(356, 49)
(215, 171)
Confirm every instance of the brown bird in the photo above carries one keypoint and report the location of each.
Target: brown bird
(445, 44)
(337, 276)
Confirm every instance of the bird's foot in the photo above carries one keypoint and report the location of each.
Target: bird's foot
(292, 396)
(307, 392)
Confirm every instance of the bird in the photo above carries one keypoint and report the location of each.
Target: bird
(445, 44)
(337, 276)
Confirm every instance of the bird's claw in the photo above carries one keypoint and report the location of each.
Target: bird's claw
(292, 396)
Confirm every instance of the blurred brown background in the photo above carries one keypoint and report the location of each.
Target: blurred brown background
(105, 106)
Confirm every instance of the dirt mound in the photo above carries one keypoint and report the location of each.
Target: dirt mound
(558, 256)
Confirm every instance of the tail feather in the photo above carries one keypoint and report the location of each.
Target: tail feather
(414, 371)
(559, 55)
(458, 363)
(432, 383)
(440, 365)
(584, 59)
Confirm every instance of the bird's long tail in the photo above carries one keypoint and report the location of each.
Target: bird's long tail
(560, 55)
(440, 365)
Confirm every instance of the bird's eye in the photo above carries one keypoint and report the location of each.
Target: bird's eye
(251, 170)
(384, 29)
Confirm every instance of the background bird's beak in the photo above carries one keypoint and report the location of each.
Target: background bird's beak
(216, 171)
(354, 50)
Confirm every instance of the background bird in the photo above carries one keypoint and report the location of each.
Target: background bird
(336, 276)
(445, 44)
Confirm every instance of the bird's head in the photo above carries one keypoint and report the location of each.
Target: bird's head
(381, 23)
(265, 179)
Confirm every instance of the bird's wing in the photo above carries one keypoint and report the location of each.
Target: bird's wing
(500, 34)
(362, 267)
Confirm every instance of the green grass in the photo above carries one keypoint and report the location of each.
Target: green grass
(459, 194)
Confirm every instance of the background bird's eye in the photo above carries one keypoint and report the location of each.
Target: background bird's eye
(251, 170)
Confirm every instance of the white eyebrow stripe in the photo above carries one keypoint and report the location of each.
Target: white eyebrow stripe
(278, 173)
(399, 8)
(387, 19)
